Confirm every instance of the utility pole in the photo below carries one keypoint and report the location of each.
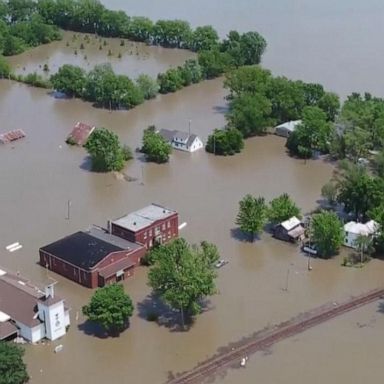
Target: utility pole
(189, 127)
(142, 175)
(69, 203)
(286, 281)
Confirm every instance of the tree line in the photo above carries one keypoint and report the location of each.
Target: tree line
(22, 27)
(258, 101)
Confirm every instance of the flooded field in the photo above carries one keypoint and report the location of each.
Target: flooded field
(85, 51)
(41, 173)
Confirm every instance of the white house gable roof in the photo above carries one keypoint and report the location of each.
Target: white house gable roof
(366, 229)
(291, 223)
(289, 125)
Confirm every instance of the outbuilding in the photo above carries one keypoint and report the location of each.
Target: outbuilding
(289, 230)
(287, 128)
(92, 258)
(183, 141)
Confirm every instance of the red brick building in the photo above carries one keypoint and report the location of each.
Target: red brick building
(92, 258)
(148, 226)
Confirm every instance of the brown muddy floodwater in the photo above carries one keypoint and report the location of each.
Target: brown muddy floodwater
(136, 58)
(39, 174)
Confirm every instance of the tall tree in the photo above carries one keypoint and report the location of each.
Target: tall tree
(252, 215)
(70, 80)
(105, 150)
(109, 307)
(155, 147)
(183, 276)
(12, 367)
(327, 233)
(364, 245)
(225, 142)
(282, 208)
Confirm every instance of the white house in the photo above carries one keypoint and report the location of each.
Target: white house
(183, 141)
(287, 128)
(353, 230)
(27, 311)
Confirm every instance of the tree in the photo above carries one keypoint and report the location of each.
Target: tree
(214, 63)
(250, 114)
(330, 104)
(183, 275)
(204, 38)
(148, 86)
(357, 143)
(191, 72)
(329, 192)
(282, 208)
(358, 191)
(109, 307)
(170, 81)
(105, 150)
(364, 245)
(155, 147)
(12, 367)
(70, 80)
(252, 215)
(252, 47)
(327, 233)
(313, 133)
(225, 142)
(5, 69)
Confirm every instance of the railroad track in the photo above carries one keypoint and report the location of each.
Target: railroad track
(269, 336)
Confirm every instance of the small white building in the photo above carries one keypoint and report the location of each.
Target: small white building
(28, 312)
(353, 230)
(183, 141)
(287, 128)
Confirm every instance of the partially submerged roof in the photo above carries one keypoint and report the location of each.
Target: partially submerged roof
(290, 223)
(191, 139)
(366, 229)
(80, 134)
(181, 136)
(289, 125)
(7, 137)
(144, 217)
(81, 249)
(170, 136)
(104, 235)
(167, 134)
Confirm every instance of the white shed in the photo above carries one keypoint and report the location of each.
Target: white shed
(287, 128)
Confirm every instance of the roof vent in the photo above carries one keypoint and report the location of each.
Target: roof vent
(134, 223)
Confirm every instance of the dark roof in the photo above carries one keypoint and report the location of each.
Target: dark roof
(191, 139)
(18, 304)
(7, 329)
(167, 134)
(81, 249)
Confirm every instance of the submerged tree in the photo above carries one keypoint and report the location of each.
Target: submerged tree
(106, 152)
(155, 147)
(110, 307)
(327, 233)
(282, 208)
(12, 367)
(183, 275)
(252, 215)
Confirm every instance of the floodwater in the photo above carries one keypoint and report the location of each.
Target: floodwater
(39, 174)
(86, 51)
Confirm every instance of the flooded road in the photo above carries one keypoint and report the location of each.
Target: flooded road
(40, 174)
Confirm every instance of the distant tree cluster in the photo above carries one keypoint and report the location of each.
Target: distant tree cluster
(21, 26)
(361, 128)
(258, 101)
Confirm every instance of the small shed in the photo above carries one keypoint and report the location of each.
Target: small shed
(80, 134)
(289, 230)
(287, 128)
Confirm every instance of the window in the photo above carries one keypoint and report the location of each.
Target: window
(150, 233)
(169, 224)
(145, 235)
(163, 227)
